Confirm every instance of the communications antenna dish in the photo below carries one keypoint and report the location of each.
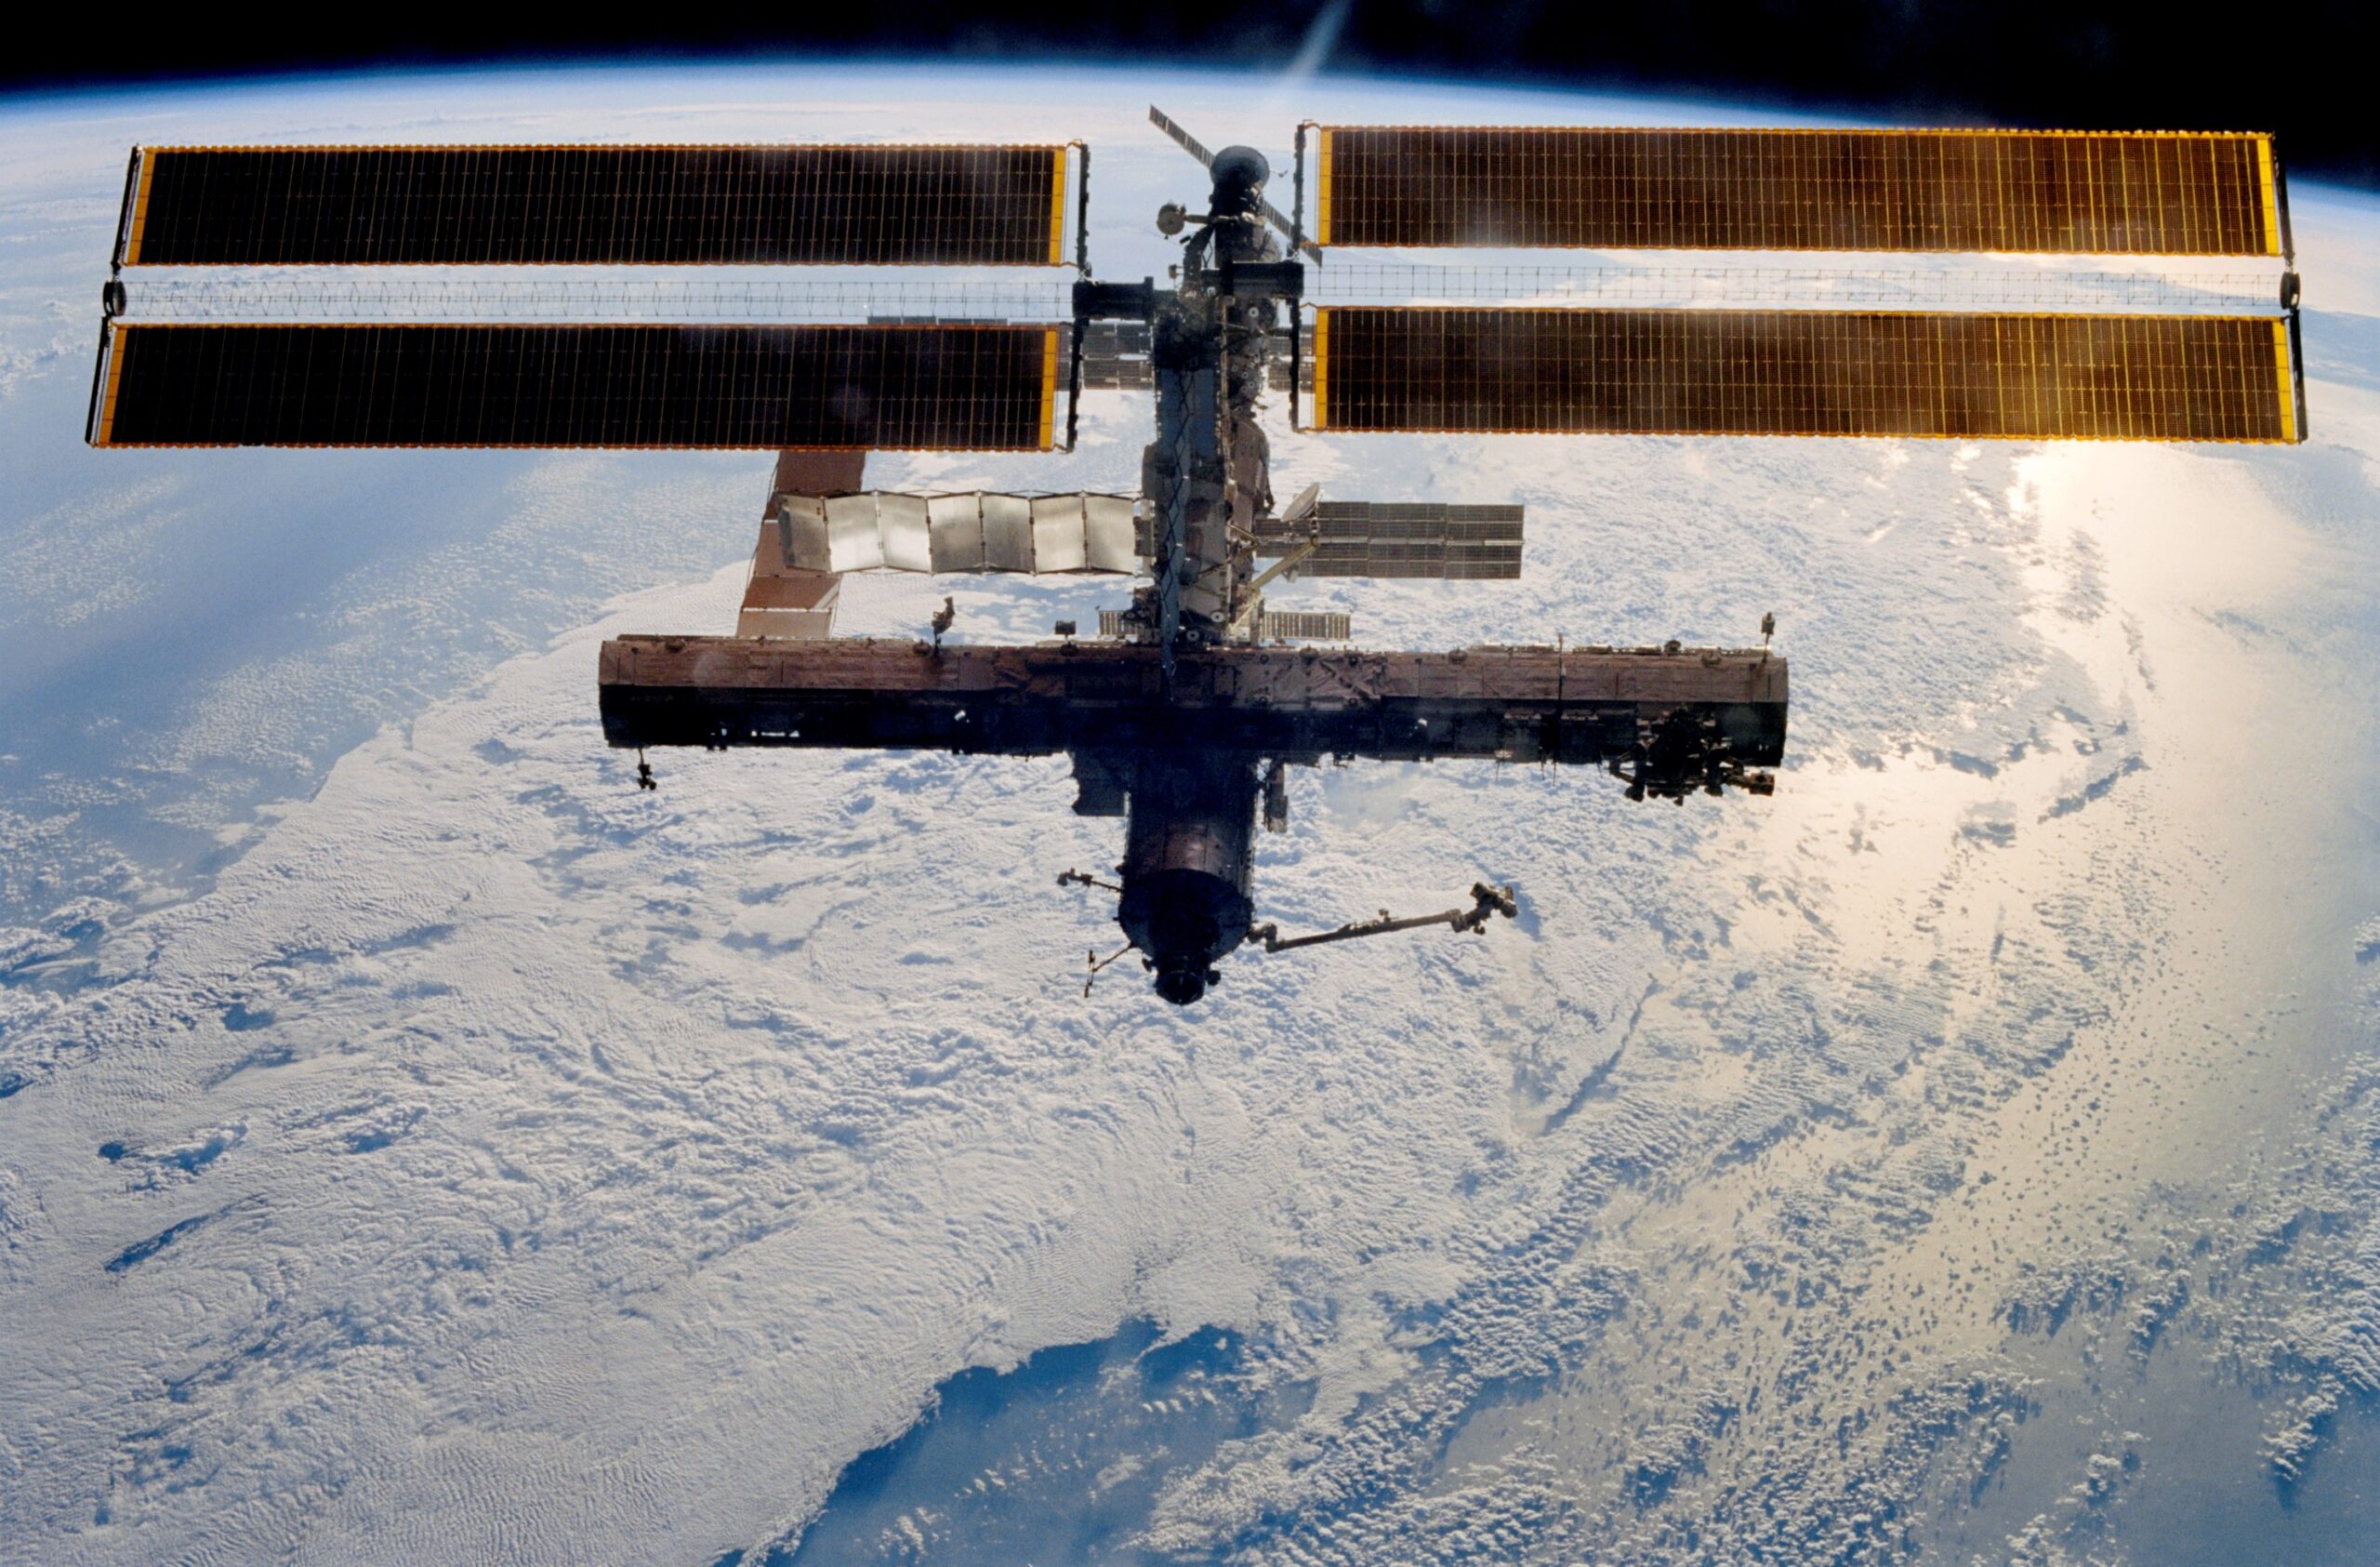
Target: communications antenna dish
(1183, 713)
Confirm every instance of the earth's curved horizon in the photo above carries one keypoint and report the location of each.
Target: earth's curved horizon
(416, 1143)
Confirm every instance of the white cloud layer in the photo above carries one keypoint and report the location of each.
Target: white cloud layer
(499, 1162)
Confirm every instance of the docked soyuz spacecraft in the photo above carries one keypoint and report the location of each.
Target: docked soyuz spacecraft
(1183, 709)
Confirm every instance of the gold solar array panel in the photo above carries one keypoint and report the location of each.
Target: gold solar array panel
(758, 387)
(2077, 192)
(1722, 372)
(875, 205)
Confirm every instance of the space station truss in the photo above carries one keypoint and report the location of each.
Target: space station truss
(875, 530)
(1648, 188)
(577, 206)
(1565, 705)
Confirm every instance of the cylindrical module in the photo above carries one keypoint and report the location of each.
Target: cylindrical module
(1187, 860)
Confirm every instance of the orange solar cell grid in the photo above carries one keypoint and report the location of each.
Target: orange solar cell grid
(2078, 192)
(882, 206)
(1709, 372)
(866, 388)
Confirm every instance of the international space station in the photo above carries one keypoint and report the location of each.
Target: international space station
(1182, 710)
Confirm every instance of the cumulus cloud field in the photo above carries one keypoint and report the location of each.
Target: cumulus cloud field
(461, 1155)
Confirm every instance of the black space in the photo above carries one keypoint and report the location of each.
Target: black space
(2293, 69)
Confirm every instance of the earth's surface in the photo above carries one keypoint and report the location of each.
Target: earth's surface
(417, 1145)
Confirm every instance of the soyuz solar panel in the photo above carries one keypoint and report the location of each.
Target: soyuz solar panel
(878, 205)
(1711, 372)
(2066, 192)
(881, 387)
